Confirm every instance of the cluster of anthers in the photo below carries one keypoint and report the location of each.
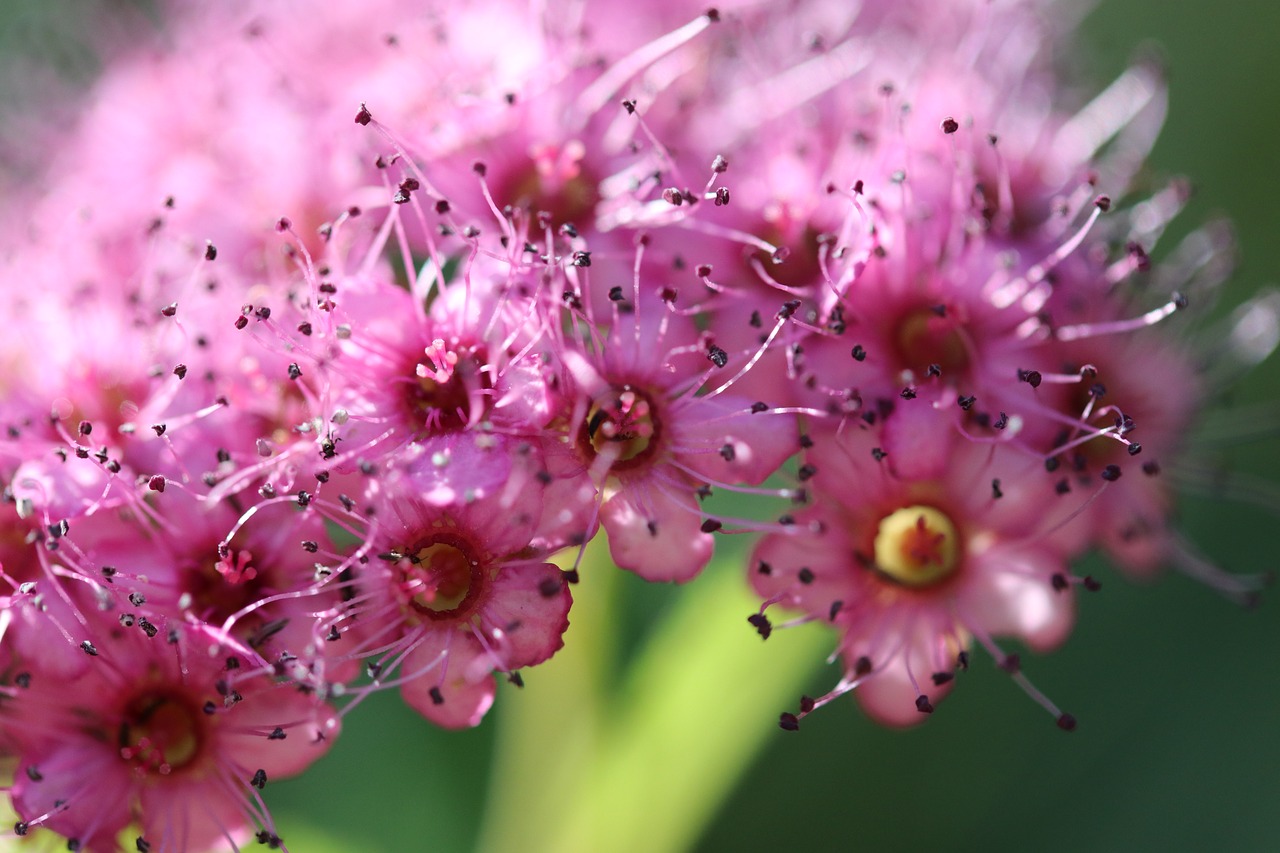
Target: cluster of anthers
(574, 265)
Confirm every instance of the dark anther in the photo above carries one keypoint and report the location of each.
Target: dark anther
(834, 610)
(1135, 449)
(862, 666)
(717, 356)
(941, 678)
(1179, 300)
(305, 328)
(908, 393)
(241, 321)
(1091, 583)
(788, 309)
(962, 660)
(722, 196)
(762, 625)
(20, 828)
(966, 403)
(711, 525)
(727, 453)
(630, 106)
(180, 371)
(934, 370)
(788, 722)
(1066, 722)
(137, 599)
(806, 472)
(437, 698)
(1103, 203)
(1031, 377)
(1059, 581)
(89, 649)
(581, 259)
(210, 251)
(859, 354)
(304, 497)
(147, 628)
(33, 774)
(1111, 473)
(1062, 487)
(1001, 422)
(364, 116)
(259, 779)
(764, 568)
(713, 15)
(615, 293)
(334, 634)
(170, 309)
(950, 125)
(1098, 390)
(294, 370)
(550, 587)
(1011, 663)
(310, 546)
(142, 844)
(878, 454)
(805, 576)
(479, 168)
(922, 704)
(1051, 464)
(1151, 468)
(277, 734)
(996, 494)
(673, 196)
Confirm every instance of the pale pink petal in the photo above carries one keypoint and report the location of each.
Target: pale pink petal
(1013, 595)
(465, 696)
(654, 536)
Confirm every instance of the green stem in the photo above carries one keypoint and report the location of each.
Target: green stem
(646, 768)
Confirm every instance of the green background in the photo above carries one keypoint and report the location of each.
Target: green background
(1176, 690)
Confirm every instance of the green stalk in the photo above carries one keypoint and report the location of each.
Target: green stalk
(645, 768)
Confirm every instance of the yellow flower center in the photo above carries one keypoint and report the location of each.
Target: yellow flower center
(917, 546)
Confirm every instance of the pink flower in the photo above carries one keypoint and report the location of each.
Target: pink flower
(915, 559)
(656, 424)
(174, 735)
(458, 590)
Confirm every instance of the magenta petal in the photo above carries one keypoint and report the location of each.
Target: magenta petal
(102, 806)
(723, 440)
(529, 605)
(309, 726)
(654, 536)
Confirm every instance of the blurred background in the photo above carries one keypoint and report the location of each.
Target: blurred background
(1175, 689)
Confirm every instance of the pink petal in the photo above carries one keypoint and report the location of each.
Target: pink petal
(654, 536)
(530, 605)
(465, 694)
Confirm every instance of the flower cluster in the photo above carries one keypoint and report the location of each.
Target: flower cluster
(298, 408)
